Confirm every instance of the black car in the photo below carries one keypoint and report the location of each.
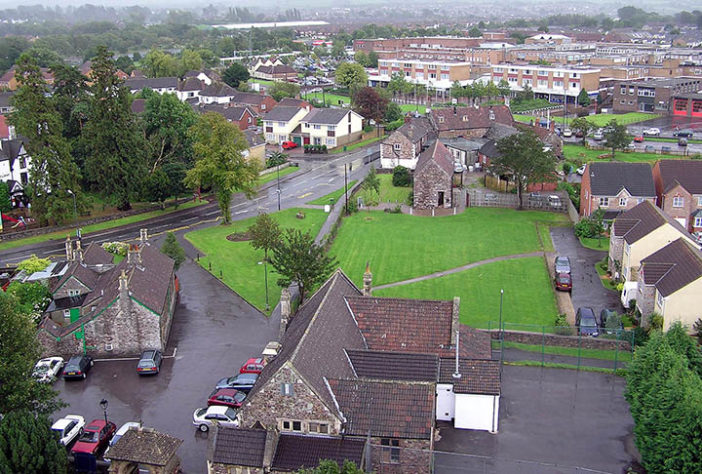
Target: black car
(150, 362)
(684, 133)
(77, 367)
(242, 382)
(586, 322)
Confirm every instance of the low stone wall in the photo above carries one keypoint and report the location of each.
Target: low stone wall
(562, 341)
(274, 169)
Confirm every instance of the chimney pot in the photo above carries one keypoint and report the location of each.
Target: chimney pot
(69, 249)
(367, 281)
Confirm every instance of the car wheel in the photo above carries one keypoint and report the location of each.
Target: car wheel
(204, 428)
(83, 375)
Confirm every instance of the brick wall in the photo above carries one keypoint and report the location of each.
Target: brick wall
(406, 151)
(684, 212)
(71, 284)
(645, 298)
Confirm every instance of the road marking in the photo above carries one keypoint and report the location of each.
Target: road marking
(304, 195)
(241, 212)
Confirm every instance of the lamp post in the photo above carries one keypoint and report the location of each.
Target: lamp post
(75, 209)
(502, 292)
(278, 188)
(103, 405)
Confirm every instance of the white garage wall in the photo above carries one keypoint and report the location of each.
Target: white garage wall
(445, 402)
(477, 412)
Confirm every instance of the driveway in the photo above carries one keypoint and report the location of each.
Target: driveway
(213, 333)
(551, 421)
(587, 288)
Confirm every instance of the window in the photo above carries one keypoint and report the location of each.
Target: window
(331, 142)
(391, 450)
(73, 292)
(699, 201)
(678, 201)
(660, 300)
(286, 389)
(270, 137)
(604, 202)
(441, 119)
(317, 127)
(464, 118)
(321, 428)
(432, 75)
(331, 128)
(23, 162)
(281, 124)
(307, 125)
(622, 202)
(444, 77)
(558, 84)
(698, 222)
(396, 146)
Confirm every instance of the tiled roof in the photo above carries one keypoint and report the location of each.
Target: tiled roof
(233, 114)
(281, 69)
(478, 376)
(239, 447)
(249, 98)
(82, 273)
(385, 409)
(190, 84)
(436, 153)
(498, 131)
(282, 113)
(673, 267)
(419, 326)
(490, 150)
(253, 138)
(608, 178)
(10, 149)
(96, 255)
(462, 143)
(145, 447)
(641, 220)
(295, 452)
(149, 281)
(416, 129)
(686, 173)
(394, 365)
(218, 89)
(326, 116)
(475, 117)
(289, 101)
(137, 84)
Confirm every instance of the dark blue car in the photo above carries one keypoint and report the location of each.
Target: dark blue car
(586, 322)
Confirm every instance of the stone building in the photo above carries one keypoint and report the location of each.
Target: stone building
(433, 178)
(145, 450)
(109, 309)
(403, 146)
(469, 122)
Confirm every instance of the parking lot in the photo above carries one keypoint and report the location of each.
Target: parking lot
(213, 333)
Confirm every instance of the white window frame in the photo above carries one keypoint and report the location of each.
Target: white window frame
(699, 201)
(698, 221)
(604, 202)
(678, 201)
(622, 202)
(660, 300)
(397, 146)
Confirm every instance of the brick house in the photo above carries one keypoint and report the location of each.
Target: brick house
(615, 187)
(278, 73)
(468, 122)
(259, 103)
(330, 127)
(403, 146)
(433, 178)
(241, 116)
(111, 309)
(679, 191)
(279, 123)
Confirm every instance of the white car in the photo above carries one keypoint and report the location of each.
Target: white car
(567, 133)
(68, 428)
(47, 369)
(581, 170)
(203, 418)
(653, 131)
(598, 135)
(120, 432)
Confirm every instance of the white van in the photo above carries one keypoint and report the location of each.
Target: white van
(629, 292)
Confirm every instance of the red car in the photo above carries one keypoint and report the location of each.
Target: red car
(253, 366)
(639, 138)
(289, 145)
(95, 437)
(564, 282)
(228, 397)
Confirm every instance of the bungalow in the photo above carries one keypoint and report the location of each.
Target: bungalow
(330, 127)
(433, 178)
(279, 123)
(468, 122)
(615, 187)
(259, 103)
(679, 191)
(161, 85)
(403, 146)
(217, 93)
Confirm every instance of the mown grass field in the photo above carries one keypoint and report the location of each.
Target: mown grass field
(578, 152)
(599, 120)
(390, 193)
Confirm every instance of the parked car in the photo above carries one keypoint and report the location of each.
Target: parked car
(562, 265)
(203, 418)
(687, 133)
(243, 382)
(120, 432)
(598, 135)
(639, 138)
(579, 134)
(564, 282)
(605, 314)
(586, 322)
(554, 201)
(95, 437)
(77, 367)
(666, 149)
(289, 145)
(682, 141)
(228, 397)
(253, 366)
(567, 133)
(68, 428)
(631, 146)
(581, 170)
(150, 362)
(46, 370)
(535, 199)
(652, 132)
(650, 149)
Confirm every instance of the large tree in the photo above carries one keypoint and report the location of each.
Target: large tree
(218, 148)
(70, 95)
(581, 124)
(297, 258)
(351, 75)
(280, 90)
(27, 444)
(235, 74)
(616, 136)
(156, 63)
(523, 160)
(115, 162)
(52, 172)
(173, 249)
(369, 104)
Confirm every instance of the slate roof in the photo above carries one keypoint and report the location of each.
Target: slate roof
(686, 173)
(149, 281)
(281, 113)
(436, 153)
(254, 138)
(386, 409)
(673, 267)
(290, 101)
(416, 129)
(249, 98)
(190, 84)
(218, 89)
(145, 447)
(476, 117)
(478, 376)
(233, 114)
(82, 273)
(498, 131)
(96, 255)
(326, 116)
(10, 149)
(419, 326)
(462, 143)
(280, 69)
(151, 83)
(490, 149)
(641, 220)
(394, 365)
(239, 446)
(608, 178)
(295, 452)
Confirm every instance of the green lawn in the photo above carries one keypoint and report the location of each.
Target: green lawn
(578, 152)
(390, 193)
(332, 197)
(239, 262)
(262, 81)
(595, 244)
(422, 109)
(528, 292)
(602, 354)
(271, 176)
(332, 99)
(356, 145)
(401, 246)
(97, 227)
(601, 269)
(672, 140)
(545, 234)
(599, 120)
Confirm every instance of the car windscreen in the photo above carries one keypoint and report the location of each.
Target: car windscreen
(239, 397)
(588, 322)
(41, 369)
(89, 437)
(563, 280)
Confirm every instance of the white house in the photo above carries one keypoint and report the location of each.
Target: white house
(280, 122)
(330, 127)
(14, 161)
(189, 89)
(161, 85)
(217, 93)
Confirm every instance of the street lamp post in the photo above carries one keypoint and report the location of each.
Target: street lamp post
(278, 189)
(103, 405)
(502, 292)
(75, 209)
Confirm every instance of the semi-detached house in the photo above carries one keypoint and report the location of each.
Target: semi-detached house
(280, 122)
(679, 190)
(329, 127)
(615, 187)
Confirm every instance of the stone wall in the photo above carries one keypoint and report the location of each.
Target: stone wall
(72, 284)
(472, 133)
(415, 457)
(645, 298)
(406, 151)
(616, 250)
(562, 341)
(218, 468)
(428, 182)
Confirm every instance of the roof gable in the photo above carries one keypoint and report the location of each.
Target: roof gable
(437, 154)
(687, 173)
(641, 220)
(608, 179)
(673, 267)
(467, 118)
(326, 116)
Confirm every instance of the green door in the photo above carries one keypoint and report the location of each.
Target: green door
(298, 141)
(75, 314)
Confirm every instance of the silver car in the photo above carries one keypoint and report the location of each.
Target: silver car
(562, 265)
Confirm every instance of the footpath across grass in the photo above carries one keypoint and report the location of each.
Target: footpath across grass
(528, 293)
(332, 197)
(238, 264)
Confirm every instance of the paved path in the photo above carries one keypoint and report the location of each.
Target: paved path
(458, 269)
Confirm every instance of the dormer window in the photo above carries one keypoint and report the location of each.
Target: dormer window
(464, 118)
(492, 115)
(441, 119)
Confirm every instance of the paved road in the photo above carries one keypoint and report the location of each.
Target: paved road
(587, 288)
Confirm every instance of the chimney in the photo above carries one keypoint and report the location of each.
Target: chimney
(11, 134)
(69, 249)
(79, 252)
(454, 110)
(367, 281)
(133, 255)
(124, 301)
(455, 323)
(143, 236)
(284, 312)
(408, 118)
(457, 373)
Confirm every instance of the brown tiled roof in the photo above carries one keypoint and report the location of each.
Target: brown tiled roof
(478, 376)
(436, 153)
(282, 113)
(279, 69)
(239, 447)
(686, 173)
(295, 452)
(190, 84)
(96, 255)
(145, 447)
(475, 117)
(673, 267)
(233, 114)
(394, 365)
(386, 409)
(150, 280)
(641, 220)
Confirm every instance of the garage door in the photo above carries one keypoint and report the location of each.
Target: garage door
(477, 412)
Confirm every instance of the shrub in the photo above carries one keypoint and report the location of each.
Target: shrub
(614, 322)
(353, 206)
(590, 227)
(394, 125)
(370, 197)
(277, 159)
(410, 198)
(324, 148)
(401, 176)
(640, 336)
(572, 190)
(567, 168)
(698, 330)
(655, 322)
(562, 326)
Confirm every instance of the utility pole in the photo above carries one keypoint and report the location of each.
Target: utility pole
(346, 191)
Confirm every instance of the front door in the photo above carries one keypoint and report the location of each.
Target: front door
(298, 141)
(441, 199)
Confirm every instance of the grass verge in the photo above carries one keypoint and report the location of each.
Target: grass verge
(390, 193)
(595, 244)
(602, 354)
(554, 365)
(353, 146)
(271, 176)
(601, 268)
(332, 197)
(672, 140)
